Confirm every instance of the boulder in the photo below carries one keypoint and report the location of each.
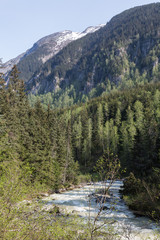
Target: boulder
(104, 208)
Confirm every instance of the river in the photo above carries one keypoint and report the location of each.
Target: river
(122, 219)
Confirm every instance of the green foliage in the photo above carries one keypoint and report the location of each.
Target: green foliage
(108, 167)
(141, 196)
(41, 148)
(84, 178)
(132, 185)
(127, 123)
(45, 148)
(35, 155)
(122, 55)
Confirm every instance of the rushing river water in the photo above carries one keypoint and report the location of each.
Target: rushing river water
(122, 219)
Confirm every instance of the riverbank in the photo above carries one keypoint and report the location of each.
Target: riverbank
(141, 205)
(86, 203)
(70, 215)
(138, 204)
(66, 222)
(141, 197)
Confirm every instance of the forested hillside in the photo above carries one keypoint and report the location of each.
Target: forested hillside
(43, 50)
(50, 147)
(92, 110)
(125, 124)
(123, 54)
(35, 141)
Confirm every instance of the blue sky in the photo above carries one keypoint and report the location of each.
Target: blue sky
(23, 22)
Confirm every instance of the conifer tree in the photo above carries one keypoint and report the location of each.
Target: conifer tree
(100, 122)
(77, 133)
(87, 143)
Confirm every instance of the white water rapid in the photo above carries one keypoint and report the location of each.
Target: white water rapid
(117, 213)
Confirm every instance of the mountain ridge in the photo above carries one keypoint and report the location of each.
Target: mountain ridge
(122, 29)
(50, 45)
(122, 54)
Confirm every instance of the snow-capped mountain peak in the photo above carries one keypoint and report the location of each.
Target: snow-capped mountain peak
(48, 46)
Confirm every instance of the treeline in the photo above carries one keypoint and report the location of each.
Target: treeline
(50, 142)
(33, 142)
(49, 147)
(124, 53)
(125, 122)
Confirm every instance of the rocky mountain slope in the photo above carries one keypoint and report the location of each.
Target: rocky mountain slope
(43, 50)
(123, 53)
(7, 66)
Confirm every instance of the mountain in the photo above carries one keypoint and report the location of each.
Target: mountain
(124, 53)
(43, 50)
(7, 66)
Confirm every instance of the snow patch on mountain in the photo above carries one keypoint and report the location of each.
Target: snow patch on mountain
(52, 44)
(7, 66)
(61, 39)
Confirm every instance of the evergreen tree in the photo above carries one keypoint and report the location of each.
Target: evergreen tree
(100, 122)
(77, 137)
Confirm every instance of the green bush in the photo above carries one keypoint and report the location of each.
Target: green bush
(84, 178)
(132, 185)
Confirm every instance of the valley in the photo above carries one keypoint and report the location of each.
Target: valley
(78, 108)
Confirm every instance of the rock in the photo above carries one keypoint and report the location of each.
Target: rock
(90, 183)
(91, 195)
(62, 190)
(27, 202)
(102, 198)
(71, 187)
(138, 213)
(74, 211)
(57, 191)
(44, 194)
(51, 192)
(79, 186)
(104, 208)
